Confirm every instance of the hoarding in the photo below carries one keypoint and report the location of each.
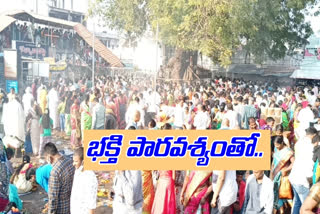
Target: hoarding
(11, 84)
(41, 69)
(10, 64)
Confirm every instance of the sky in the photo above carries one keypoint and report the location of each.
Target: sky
(80, 5)
(315, 21)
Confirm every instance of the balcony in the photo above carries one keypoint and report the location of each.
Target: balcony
(64, 14)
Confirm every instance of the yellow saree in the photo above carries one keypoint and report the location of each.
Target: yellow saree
(148, 191)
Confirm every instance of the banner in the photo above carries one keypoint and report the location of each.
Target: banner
(176, 150)
(10, 64)
(41, 69)
(30, 50)
(12, 84)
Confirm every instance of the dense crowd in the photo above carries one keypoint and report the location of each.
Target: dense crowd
(68, 108)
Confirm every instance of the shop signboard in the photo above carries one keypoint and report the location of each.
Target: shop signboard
(30, 50)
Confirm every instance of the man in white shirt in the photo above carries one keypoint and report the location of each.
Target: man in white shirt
(305, 117)
(98, 115)
(153, 102)
(39, 91)
(178, 115)
(259, 194)
(302, 170)
(143, 108)
(225, 125)
(133, 107)
(225, 189)
(13, 120)
(312, 98)
(239, 109)
(26, 100)
(134, 123)
(202, 119)
(232, 116)
(128, 197)
(84, 188)
(315, 90)
(280, 97)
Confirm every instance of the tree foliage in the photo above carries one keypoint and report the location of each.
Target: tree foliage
(216, 28)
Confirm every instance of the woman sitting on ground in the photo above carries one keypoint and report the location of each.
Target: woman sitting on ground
(19, 178)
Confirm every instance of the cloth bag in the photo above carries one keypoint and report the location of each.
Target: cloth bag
(285, 189)
(12, 142)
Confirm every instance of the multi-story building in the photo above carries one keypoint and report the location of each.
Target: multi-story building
(70, 10)
(310, 65)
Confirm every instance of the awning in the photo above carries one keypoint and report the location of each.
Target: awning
(306, 74)
(277, 74)
(104, 52)
(59, 66)
(5, 21)
(249, 69)
(82, 31)
(45, 20)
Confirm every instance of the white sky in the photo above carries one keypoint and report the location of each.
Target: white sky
(315, 21)
(82, 5)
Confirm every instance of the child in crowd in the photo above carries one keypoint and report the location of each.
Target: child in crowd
(46, 124)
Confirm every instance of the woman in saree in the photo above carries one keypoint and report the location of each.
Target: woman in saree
(75, 124)
(195, 191)
(219, 116)
(33, 123)
(86, 118)
(292, 109)
(285, 120)
(43, 98)
(316, 159)
(121, 108)
(295, 118)
(283, 159)
(179, 181)
(148, 191)
(279, 131)
(165, 198)
(170, 99)
(4, 178)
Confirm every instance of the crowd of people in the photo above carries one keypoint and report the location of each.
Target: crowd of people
(65, 109)
(60, 38)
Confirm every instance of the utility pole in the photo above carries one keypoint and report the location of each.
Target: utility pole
(37, 6)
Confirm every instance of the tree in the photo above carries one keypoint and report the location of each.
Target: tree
(216, 28)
